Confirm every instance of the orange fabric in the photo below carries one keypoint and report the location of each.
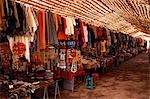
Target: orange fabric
(2, 14)
(62, 36)
(41, 19)
(77, 56)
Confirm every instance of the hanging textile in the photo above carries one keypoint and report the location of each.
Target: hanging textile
(47, 29)
(2, 15)
(22, 18)
(103, 46)
(6, 8)
(55, 21)
(52, 34)
(61, 33)
(99, 32)
(95, 31)
(79, 33)
(64, 24)
(108, 38)
(104, 34)
(16, 14)
(41, 18)
(91, 36)
(83, 43)
(19, 46)
(70, 23)
(85, 33)
(31, 19)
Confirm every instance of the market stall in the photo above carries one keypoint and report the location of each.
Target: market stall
(40, 46)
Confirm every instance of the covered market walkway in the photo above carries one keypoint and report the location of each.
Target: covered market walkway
(130, 80)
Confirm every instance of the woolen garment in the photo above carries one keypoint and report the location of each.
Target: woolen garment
(41, 18)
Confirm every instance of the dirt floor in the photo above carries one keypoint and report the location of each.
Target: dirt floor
(130, 80)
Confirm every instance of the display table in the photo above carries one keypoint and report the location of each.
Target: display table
(71, 80)
(24, 89)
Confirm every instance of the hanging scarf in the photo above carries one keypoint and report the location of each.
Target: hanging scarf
(41, 19)
(83, 44)
(55, 21)
(52, 35)
(61, 34)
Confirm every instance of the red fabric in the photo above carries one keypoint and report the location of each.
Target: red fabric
(69, 75)
(61, 34)
(19, 48)
(104, 33)
(76, 34)
(99, 32)
(65, 24)
(80, 72)
(82, 32)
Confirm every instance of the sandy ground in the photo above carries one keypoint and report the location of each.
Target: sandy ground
(130, 80)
